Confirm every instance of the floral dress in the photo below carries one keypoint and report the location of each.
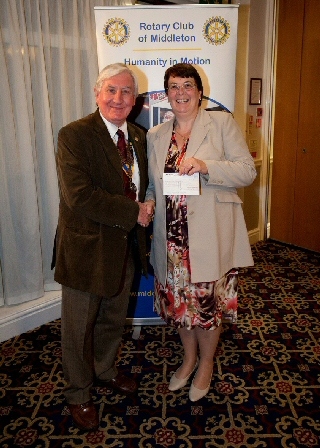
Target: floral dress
(179, 302)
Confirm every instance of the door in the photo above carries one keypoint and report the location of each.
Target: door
(295, 190)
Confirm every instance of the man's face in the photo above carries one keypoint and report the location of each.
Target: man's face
(116, 98)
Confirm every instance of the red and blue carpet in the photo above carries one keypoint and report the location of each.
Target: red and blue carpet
(265, 390)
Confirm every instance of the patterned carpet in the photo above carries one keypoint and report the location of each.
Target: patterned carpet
(265, 390)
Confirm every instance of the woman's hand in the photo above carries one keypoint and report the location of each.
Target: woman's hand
(150, 208)
(192, 165)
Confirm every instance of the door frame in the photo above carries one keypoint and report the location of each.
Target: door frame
(267, 131)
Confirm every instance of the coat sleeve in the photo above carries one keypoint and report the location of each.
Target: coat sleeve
(234, 166)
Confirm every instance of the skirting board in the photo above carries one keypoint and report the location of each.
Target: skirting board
(15, 320)
(254, 236)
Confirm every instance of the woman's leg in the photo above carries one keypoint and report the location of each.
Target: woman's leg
(208, 341)
(190, 347)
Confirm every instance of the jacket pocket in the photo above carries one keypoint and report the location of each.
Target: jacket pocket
(227, 196)
(83, 230)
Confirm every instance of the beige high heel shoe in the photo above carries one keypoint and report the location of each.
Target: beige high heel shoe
(178, 383)
(195, 394)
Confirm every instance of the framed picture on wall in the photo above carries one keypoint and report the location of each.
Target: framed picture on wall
(255, 91)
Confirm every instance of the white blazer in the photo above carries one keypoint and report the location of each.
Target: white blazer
(218, 237)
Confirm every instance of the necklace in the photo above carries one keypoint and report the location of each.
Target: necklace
(184, 137)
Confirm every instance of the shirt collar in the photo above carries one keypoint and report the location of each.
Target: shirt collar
(112, 128)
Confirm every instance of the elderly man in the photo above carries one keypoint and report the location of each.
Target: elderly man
(102, 171)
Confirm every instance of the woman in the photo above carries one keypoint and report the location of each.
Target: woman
(199, 240)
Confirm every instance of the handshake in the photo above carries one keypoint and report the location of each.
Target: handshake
(146, 213)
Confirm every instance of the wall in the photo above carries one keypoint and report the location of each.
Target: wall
(258, 126)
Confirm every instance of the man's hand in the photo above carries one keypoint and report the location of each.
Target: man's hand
(146, 211)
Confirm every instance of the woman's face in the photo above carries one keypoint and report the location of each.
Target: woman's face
(183, 95)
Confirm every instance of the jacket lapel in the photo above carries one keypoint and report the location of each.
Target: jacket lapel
(162, 141)
(140, 152)
(107, 144)
(138, 145)
(161, 144)
(199, 132)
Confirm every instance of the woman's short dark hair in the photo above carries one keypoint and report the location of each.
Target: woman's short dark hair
(183, 71)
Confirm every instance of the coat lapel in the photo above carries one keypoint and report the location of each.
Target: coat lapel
(199, 132)
(140, 151)
(107, 144)
(138, 145)
(162, 142)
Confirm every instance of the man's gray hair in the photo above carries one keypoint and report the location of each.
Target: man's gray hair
(112, 70)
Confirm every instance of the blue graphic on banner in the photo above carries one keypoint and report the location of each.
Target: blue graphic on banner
(142, 292)
(141, 301)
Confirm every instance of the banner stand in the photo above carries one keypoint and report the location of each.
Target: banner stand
(137, 324)
(149, 39)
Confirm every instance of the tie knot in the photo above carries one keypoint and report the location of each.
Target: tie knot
(120, 133)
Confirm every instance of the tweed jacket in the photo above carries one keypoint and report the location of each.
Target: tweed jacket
(218, 237)
(95, 216)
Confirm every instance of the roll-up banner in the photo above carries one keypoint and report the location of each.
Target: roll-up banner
(149, 39)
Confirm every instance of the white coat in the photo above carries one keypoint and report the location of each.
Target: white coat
(218, 237)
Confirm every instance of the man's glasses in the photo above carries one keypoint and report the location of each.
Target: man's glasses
(188, 86)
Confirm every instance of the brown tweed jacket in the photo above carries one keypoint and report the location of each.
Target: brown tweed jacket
(96, 219)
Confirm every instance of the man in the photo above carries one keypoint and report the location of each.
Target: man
(100, 234)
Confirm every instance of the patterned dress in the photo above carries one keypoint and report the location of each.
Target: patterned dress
(179, 302)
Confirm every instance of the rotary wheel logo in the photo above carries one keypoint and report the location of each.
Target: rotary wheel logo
(216, 30)
(116, 32)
